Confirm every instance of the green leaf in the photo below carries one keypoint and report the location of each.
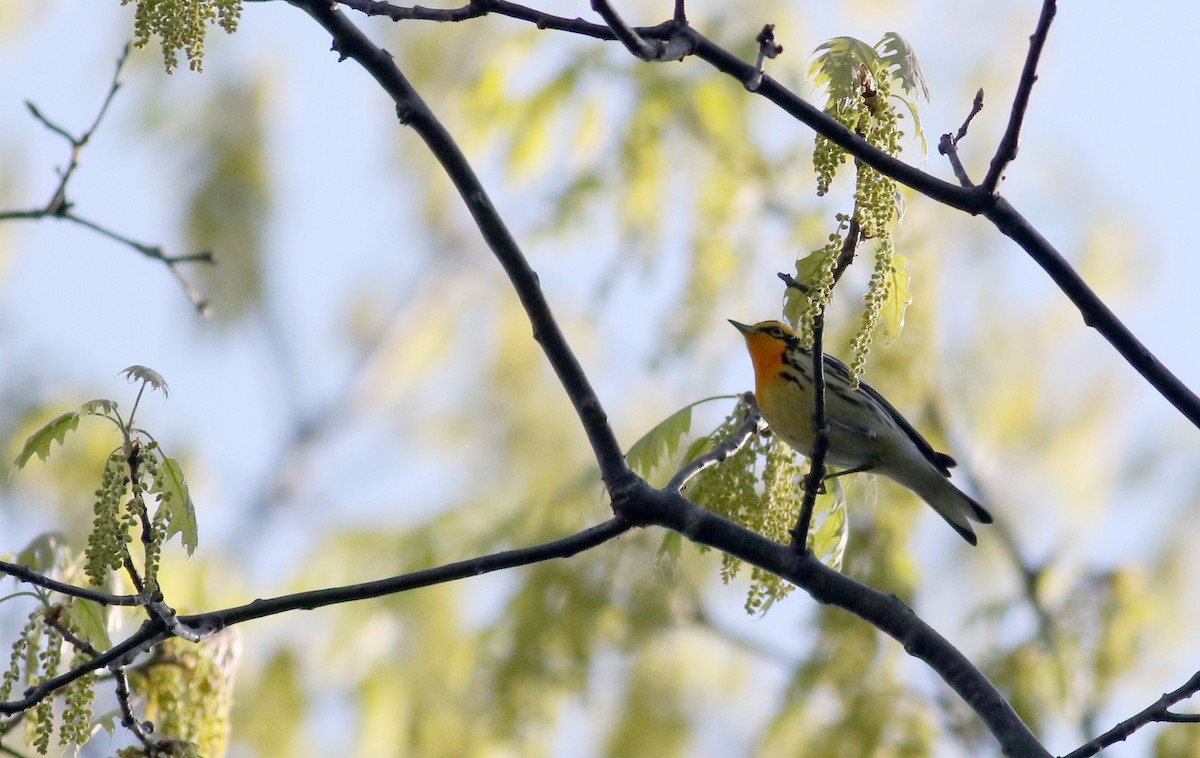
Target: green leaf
(835, 65)
(91, 619)
(39, 442)
(660, 442)
(808, 269)
(898, 57)
(181, 511)
(918, 130)
(147, 376)
(43, 552)
(667, 558)
(828, 540)
(891, 313)
(98, 407)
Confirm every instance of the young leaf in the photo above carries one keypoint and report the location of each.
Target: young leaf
(178, 502)
(98, 407)
(891, 313)
(660, 442)
(667, 558)
(148, 376)
(828, 541)
(898, 57)
(39, 442)
(91, 619)
(43, 552)
(835, 65)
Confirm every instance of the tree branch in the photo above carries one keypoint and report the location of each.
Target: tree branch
(563, 548)
(885, 612)
(634, 501)
(751, 425)
(1158, 711)
(1009, 143)
(412, 111)
(973, 200)
(29, 576)
(60, 208)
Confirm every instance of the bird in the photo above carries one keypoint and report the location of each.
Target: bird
(865, 432)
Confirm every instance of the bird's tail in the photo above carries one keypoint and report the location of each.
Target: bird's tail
(950, 502)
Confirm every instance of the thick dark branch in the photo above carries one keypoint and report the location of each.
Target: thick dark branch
(1094, 311)
(563, 548)
(885, 612)
(412, 111)
(1156, 712)
(29, 576)
(1009, 143)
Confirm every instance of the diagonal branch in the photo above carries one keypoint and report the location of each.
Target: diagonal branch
(1158, 711)
(412, 111)
(973, 200)
(1009, 143)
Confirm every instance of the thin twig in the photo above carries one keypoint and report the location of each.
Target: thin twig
(976, 107)
(1156, 712)
(815, 479)
(1007, 151)
(751, 425)
(948, 145)
(767, 48)
(29, 576)
(129, 719)
(59, 207)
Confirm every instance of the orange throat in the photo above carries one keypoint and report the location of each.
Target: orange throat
(767, 355)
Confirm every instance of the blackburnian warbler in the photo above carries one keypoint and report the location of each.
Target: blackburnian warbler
(865, 432)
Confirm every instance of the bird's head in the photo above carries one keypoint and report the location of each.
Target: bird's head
(767, 341)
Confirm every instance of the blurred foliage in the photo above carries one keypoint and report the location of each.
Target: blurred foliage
(230, 199)
(655, 201)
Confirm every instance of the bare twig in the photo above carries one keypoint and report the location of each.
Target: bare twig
(976, 107)
(1007, 151)
(948, 145)
(30, 576)
(129, 719)
(59, 207)
(1159, 711)
(815, 479)
(767, 48)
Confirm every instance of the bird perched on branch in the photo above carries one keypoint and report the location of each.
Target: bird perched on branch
(865, 432)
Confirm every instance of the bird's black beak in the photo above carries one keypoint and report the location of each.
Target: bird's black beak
(743, 328)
